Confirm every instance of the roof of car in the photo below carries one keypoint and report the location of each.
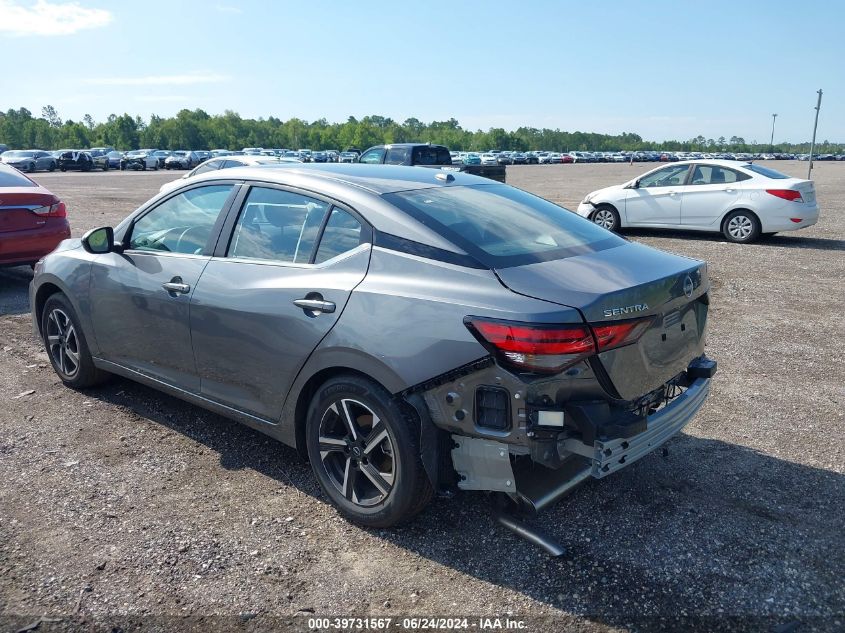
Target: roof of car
(713, 161)
(377, 179)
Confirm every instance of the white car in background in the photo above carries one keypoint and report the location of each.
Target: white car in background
(740, 200)
(489, 159)
(227, 162)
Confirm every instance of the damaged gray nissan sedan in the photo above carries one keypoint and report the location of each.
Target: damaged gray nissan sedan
(407, 329)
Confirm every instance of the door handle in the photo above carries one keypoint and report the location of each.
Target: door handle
(673, 193)
(315, 305)
(729, 189)
(175, 286)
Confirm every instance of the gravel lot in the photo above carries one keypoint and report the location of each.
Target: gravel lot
(121, 502)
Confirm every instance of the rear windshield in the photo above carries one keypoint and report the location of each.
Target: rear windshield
(13, 178)
(765, 171)
(502, 226)
(431, 156)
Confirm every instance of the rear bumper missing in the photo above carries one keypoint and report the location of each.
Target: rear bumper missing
(613, 455)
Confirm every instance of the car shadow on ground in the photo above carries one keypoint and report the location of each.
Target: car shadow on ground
(714, 530)
(14, 290)
(782, 241)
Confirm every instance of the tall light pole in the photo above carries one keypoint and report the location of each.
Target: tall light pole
(772, 141)
(815, 127)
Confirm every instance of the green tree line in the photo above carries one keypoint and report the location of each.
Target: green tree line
(196, 129)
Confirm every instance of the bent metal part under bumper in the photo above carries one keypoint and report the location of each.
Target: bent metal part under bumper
(612, 455)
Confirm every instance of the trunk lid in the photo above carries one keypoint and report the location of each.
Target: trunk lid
(631, 281)
(16, 204)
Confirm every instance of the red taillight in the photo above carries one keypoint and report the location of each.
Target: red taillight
(797, 220)
(57, 210)
(551, 348)
(787, 194)
(619, 334)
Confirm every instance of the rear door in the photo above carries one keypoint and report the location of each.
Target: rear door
(140, 298)
(273, 290)
(712, 189)
(657, 198)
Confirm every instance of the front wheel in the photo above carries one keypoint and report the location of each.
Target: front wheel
(606, 217)
(66, 345)
(741, 227)
(364, 448)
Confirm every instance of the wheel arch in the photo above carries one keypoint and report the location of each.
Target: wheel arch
(741, 207)
(319, 369)
(44, 292)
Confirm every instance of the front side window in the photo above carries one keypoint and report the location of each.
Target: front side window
(503, 226)
(181, 224)
(666, 177)
(277, 225)
(372, 156)
(398, 156)
(342, 234)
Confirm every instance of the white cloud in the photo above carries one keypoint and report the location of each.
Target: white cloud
(229, 9)
(161, 98)
(160, 80)
(49, 18)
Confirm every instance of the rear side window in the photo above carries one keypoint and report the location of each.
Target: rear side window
(765, 171)
(13, 178)
(277, 225)
(424, 155)
(209, 166)
(342, 234)
(715, 175)
(502, 226)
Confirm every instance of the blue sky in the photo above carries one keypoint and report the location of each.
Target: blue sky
(662, 69)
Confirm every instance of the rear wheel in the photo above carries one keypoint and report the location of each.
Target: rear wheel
(364, 448)
(66, 346)
(52, 166)
(106, 166)
(741, 227)
(607, 217)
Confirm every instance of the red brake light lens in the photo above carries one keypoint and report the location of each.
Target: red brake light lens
(787, 194)
(619, 334)
(551, 348)
(57, 210)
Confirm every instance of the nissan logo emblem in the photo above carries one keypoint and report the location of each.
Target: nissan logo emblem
(689, 286)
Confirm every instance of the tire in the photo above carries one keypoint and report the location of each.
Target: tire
(143, 166)
(155, 168)
(106, 166)
(352, 467)
(606, 216)
(30, 168)
(52, 166)
(66, 346)
(63, 169)
(741, 227)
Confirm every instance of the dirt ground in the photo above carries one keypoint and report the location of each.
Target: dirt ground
(120, 503)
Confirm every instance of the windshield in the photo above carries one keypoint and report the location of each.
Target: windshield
(502, 226)
(765, 171)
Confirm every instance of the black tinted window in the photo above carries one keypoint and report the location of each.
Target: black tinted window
(342, 233)
(277, 225)
(432, 156)
(13, 178)
(502, 226)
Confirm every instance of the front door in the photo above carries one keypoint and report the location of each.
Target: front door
(269, 298)
(657, 198)
(711, 190)
(140, 299)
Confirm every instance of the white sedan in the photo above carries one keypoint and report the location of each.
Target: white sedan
(740, 200)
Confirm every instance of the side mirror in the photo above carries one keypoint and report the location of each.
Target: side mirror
(99, 241)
